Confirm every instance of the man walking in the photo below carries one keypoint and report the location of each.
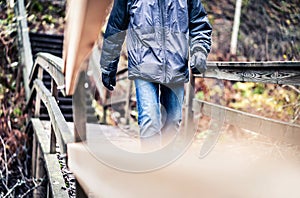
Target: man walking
(161, 35)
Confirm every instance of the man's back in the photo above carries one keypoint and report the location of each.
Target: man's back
(159, 34)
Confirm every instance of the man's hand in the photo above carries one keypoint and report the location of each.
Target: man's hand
(198, 62)
(109, 80)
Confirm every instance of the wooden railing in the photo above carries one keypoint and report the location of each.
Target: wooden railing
(44, 153)
(25, 55)
(275, 72)
(44, 150)
(59, 130)
(278, 130)
(278, 72)
(52, 65)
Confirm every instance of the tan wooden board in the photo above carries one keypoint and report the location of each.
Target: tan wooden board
(62, 133)
(277, 72)
(232, 169)
(83, 24)
(56, 180)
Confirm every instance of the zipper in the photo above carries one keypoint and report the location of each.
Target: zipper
(162, 13)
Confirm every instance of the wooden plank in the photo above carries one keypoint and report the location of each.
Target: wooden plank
(79, 109)
(246, 75)
(42, 146)
(53, 141)
(54, 61)
(54, 93)
(25, 53)
(266, 72)
(37, 98)
(62, 132)
(52, 65)
(231, 163)
(43, 136)
(254, 64)
(34, 152)
(84, 21)
(39, 171)
(56, 180)
(272, 128)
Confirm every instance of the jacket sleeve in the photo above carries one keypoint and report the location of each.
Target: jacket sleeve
(114, 36)
(199, 27)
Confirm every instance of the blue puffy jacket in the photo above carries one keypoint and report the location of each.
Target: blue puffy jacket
(159, 34)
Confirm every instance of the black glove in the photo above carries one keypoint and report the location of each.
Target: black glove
(109, 80)
(198, 62)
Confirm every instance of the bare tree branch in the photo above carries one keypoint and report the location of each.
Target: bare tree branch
(33, 188)
(19, 183)
(5, 160)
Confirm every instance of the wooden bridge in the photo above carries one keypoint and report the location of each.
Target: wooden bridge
(111, 161)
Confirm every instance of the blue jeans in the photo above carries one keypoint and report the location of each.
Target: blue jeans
(159, 107)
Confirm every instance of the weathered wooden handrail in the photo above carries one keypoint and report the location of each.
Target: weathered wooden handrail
(25, 53)
(41, 148)
(60, 128)
(276, 72)
(254, 64)
(53, 66)
(272, 128)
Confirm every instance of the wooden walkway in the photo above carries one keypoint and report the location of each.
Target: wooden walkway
(110, 162)
(237, 167)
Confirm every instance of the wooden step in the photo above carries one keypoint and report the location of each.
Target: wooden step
(232, 169)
